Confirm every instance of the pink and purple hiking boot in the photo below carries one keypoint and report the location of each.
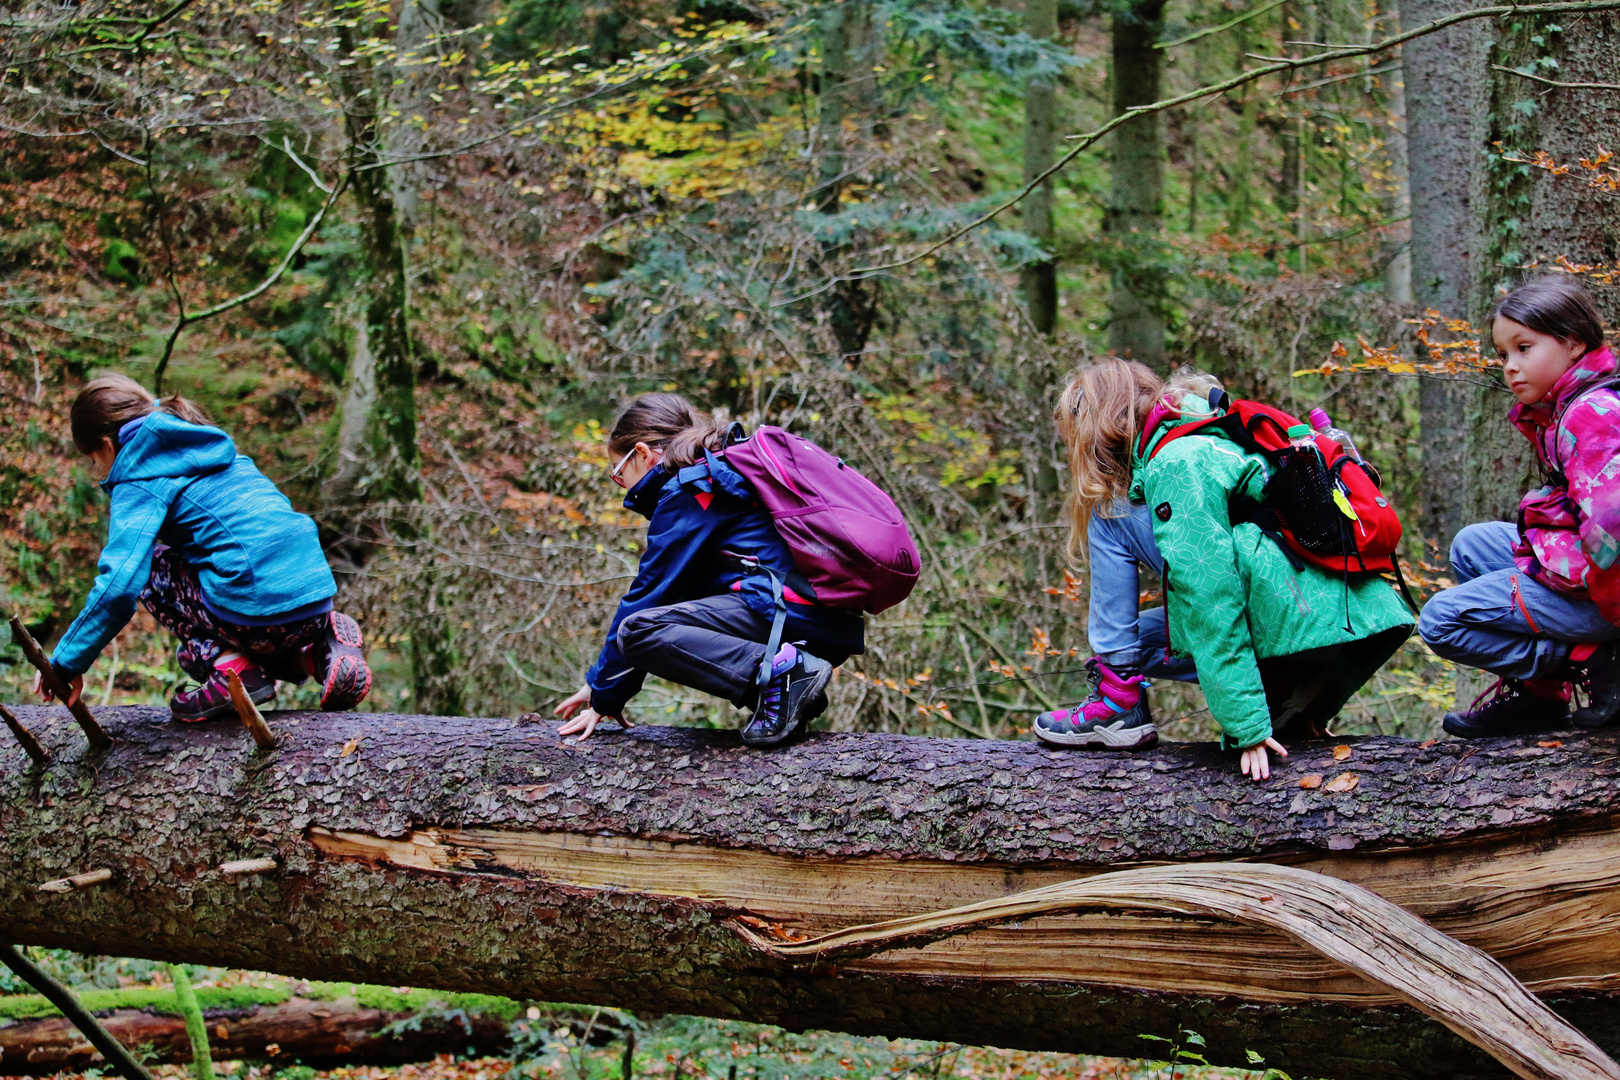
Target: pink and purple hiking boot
(1114, 717)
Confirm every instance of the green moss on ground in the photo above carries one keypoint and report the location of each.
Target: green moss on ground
(221, 998)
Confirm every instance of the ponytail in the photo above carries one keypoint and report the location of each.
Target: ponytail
(109, 402)
(666, 422)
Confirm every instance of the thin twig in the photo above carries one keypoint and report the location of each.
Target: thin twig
(1227, 25)
(1555, 83)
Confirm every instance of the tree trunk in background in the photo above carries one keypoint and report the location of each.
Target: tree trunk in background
(1040, 132)
(848, 95)
(488, 855)
(1136, 203)
(1445, 110)
(1542, 216)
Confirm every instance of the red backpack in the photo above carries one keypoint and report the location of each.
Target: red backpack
(1298, 507)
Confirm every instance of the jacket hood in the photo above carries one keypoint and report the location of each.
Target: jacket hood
(1163, 418)
(165, 446)
(1597, 364)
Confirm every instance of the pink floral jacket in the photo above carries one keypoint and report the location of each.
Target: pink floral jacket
(1569, 529)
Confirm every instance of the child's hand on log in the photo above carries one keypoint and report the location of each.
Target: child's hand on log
(585, 722)
(1256, 765)
(75, 689)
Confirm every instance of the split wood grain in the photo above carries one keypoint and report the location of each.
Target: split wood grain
(99, 739)
(1460, 986)
(24, 737)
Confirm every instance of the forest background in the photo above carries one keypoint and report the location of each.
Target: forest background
(413, 254)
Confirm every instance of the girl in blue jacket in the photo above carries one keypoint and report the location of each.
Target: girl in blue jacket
(214, 551)
(698, 612)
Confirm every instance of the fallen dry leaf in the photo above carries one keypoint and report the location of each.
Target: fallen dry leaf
(1550, 744)
(222, 1032)
(1340, 753)
(351, 746)
(1343, 782)
(1311, 780)
(1426, 743)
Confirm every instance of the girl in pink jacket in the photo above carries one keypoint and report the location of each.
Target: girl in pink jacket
(1538, 602)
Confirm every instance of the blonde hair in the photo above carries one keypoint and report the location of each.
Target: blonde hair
(108, 402)
(1100, 413)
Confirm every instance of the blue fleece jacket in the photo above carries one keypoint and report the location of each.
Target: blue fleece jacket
(184, 485)
(693, 519)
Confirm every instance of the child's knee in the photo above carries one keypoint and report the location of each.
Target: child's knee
(1438, 622)
(636, 632)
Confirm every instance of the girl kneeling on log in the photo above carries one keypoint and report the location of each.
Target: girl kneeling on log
(1277, 644)
(1539, 602)
(697, 614)
(215, 552)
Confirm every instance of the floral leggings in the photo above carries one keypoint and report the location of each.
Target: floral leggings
(174, 597)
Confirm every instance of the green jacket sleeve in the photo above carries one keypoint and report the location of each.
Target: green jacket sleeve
(1186, 486)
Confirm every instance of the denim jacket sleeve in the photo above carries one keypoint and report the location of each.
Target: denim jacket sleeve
(137, 513)
(676, 536)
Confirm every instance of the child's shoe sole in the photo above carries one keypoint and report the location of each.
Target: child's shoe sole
(348, 677)
(1115, 736)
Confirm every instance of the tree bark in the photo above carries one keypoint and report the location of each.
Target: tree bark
(1136, 204)
(1040, 134)
(317, 1033)
(488, 855)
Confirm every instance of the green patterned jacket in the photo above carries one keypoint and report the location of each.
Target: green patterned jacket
(1233, 596)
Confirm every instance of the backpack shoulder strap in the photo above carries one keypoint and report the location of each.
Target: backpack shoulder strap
(1611, 382)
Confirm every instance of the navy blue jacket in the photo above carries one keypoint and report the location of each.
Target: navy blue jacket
(185, 485)
(684, 560)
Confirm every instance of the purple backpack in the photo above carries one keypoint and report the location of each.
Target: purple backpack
(848, 538)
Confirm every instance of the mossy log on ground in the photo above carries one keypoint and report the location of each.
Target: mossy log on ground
(488, 855)
(308, 1031)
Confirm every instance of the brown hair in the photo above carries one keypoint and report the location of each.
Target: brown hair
(108, 402)
(1099, 414)
(1556, 304)
(666, 422)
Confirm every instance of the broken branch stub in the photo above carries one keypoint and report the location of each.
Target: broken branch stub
(99, 739)
(252, 719)
(88, 879)
(30, 745)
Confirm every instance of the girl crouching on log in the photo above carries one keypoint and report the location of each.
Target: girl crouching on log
(1539, 602)
(215, 552)
(1277, 645)
(699, 613)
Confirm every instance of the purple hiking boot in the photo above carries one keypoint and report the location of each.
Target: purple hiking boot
(212, 699)
(795, 696)
(1114, 717)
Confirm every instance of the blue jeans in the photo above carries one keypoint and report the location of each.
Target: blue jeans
(1125, 637)
(1482, 624)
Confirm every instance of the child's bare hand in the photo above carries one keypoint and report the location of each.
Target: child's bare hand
(586, 722)
(573, 703)
(75, 689)
(1256, 765)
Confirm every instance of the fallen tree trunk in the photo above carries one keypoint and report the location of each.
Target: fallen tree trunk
(488, 855)
(299, 1030)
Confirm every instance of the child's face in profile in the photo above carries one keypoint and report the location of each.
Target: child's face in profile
(102, 458)
(1532, 361)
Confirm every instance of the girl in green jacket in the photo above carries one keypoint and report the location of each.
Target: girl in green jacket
(1278, 648)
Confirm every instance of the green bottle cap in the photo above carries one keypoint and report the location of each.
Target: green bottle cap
(1299, 429)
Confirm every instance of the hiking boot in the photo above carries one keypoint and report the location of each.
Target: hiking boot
(340, 664)
(795, 695)
(1114, 717)
(212, 699)
(1599, 675)
(1512, 707)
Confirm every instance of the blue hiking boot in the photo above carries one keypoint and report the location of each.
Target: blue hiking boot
(796, 694)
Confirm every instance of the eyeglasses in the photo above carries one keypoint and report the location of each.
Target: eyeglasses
(1078, 398)
(619, 468)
